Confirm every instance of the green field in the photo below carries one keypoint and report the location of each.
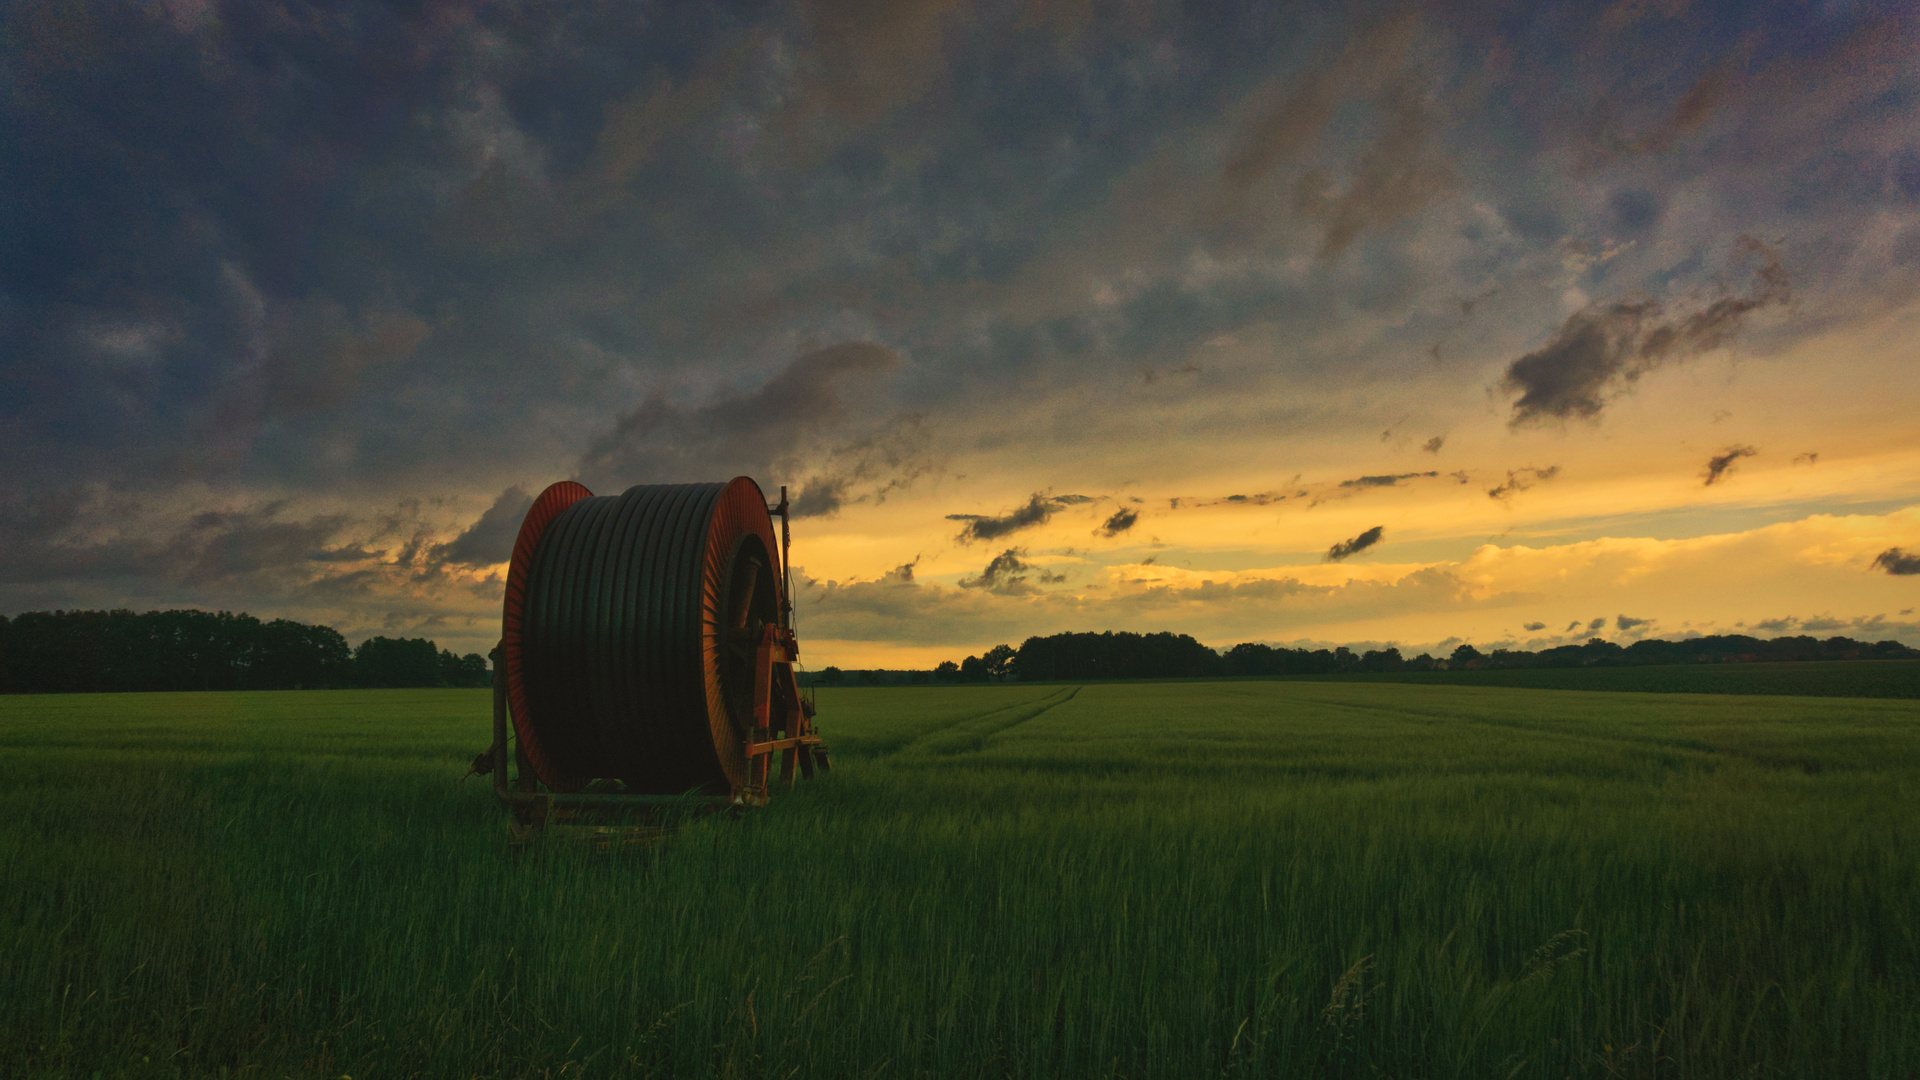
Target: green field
(1262, 878)
(1820, 678)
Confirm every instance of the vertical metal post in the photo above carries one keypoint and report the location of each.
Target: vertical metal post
(786, 574)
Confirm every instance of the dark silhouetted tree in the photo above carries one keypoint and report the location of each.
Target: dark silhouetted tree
(1382, 660)
(296, 656)
(468, 670)
(392, 663)
(999, 661)
(1111, 655)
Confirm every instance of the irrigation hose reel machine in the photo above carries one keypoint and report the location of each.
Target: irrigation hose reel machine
(646, 658)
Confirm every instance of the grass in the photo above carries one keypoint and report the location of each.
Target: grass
(1263, 878)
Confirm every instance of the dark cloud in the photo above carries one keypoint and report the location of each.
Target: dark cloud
(1317, 493)
(1575, 625)
(489, 540)
(226, 544)
(1123, 519)
(820, 496)
(1592, 351)
(1004, 573)
(1628, 622)
(1602, 349)
(211, 546)
(1433, 445)
(902, 574)
(736, 433)
(1597, 625)
(1896, 561)
(1520, 480)
(869, 468)
(1347, 548)
(1264, 498)
(1384, 481)
(1038, 511)
(1722, 463)
(1811, 457)
(1536, 626)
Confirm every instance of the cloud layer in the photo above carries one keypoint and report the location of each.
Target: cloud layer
(297, 312)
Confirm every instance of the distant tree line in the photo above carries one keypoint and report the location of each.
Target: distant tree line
(1256, 659)
(45, 652)
(833, 676)
(61, 651)
(1125, 655)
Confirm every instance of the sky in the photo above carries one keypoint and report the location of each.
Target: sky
(1316, 324)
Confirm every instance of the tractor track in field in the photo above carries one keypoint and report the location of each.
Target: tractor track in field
(1698, 748)
(970, 735)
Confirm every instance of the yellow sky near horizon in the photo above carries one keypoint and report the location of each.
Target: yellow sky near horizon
(1625, 525)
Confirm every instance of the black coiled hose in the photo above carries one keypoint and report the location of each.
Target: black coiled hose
(637, 614)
